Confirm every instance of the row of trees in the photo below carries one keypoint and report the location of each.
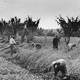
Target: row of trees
(14, 25)
(69, 27)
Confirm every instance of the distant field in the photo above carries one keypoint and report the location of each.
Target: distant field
(41, 39)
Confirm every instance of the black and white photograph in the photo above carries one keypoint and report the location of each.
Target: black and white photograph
(39, 40)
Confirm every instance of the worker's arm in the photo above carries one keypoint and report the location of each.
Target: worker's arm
(15, 43)
(55, 65)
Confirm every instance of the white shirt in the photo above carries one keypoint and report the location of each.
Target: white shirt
(70, 45)
(12, 41)
(61, 61)
(25, 27)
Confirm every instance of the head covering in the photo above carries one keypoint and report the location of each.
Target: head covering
(13, 36)
(61, 61)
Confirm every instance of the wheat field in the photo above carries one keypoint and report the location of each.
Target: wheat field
(36, 61)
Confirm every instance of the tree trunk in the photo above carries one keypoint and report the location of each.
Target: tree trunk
(67, 40)
(15, 32)
(22, 38)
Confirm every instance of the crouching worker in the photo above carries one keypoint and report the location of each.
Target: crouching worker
(71, 46)
(59, 65)
(12, 43)
(56, 66)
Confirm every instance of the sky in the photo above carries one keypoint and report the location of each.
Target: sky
(47, 10)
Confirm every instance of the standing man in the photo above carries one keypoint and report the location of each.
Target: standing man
(12, 43)
(55, 42)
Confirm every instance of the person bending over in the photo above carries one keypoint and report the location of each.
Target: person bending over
(59, 65)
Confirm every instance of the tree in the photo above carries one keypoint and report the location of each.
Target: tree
(31, 27)
(15, 23)
(70, 27)
(11, 27)
(8, 30)
(1, 28)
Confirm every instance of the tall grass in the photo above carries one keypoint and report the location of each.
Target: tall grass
(37, 60)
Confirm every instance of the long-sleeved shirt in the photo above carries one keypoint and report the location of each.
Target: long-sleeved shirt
(12, 41)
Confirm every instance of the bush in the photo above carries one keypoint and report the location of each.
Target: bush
(50, 33)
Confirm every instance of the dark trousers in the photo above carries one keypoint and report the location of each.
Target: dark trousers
(60, 68)
(11, 48)
(55, 46)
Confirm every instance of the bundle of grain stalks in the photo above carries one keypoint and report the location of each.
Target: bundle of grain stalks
(35, 62)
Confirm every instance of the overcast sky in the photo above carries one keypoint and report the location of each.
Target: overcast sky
(47, 10)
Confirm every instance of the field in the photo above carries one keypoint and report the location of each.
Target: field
(35, 61)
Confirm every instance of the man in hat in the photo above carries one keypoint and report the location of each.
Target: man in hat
(55, 42)
(12, 43)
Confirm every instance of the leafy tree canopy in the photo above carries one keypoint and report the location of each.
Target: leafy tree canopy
(69, 26)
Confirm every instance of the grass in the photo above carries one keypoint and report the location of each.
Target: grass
(37, 60)
(10, 71)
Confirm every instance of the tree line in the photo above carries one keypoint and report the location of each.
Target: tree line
(14, 25)
(69, 28)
